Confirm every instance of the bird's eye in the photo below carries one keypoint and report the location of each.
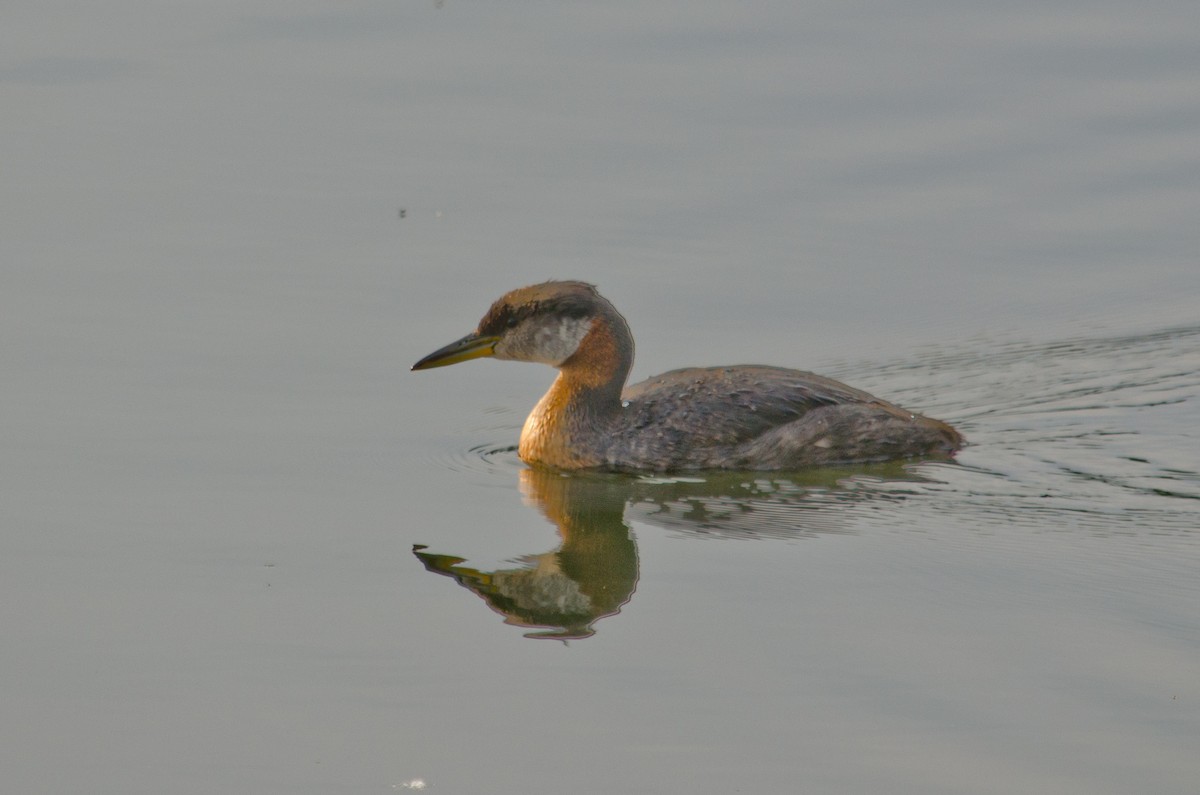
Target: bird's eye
(511, 322)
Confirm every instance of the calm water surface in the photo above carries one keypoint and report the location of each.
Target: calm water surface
(245, 550)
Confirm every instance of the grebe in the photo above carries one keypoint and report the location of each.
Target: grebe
(747, 417)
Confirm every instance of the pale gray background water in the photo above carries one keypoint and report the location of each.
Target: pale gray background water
(214, 462)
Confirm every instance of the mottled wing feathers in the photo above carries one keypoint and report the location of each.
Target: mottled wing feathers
(721, 407)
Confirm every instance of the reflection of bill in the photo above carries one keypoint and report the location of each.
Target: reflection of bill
(594, 571)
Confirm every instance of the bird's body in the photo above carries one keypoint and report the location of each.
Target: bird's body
(748, 417)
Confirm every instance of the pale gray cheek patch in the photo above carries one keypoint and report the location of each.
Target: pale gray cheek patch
(558, 342)
(551, 342)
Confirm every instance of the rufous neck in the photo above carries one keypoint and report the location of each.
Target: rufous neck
(597, 372)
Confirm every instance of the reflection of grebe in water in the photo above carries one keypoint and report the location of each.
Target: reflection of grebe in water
(593, 572)
(744, 417)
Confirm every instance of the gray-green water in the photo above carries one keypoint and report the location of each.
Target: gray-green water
(228, 509)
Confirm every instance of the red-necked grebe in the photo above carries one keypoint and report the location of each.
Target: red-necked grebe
(749, 417)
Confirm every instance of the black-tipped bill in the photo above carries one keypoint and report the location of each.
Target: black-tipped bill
(471, 346)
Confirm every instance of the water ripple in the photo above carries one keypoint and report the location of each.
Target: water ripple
(1098, 432)
(488, 448)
